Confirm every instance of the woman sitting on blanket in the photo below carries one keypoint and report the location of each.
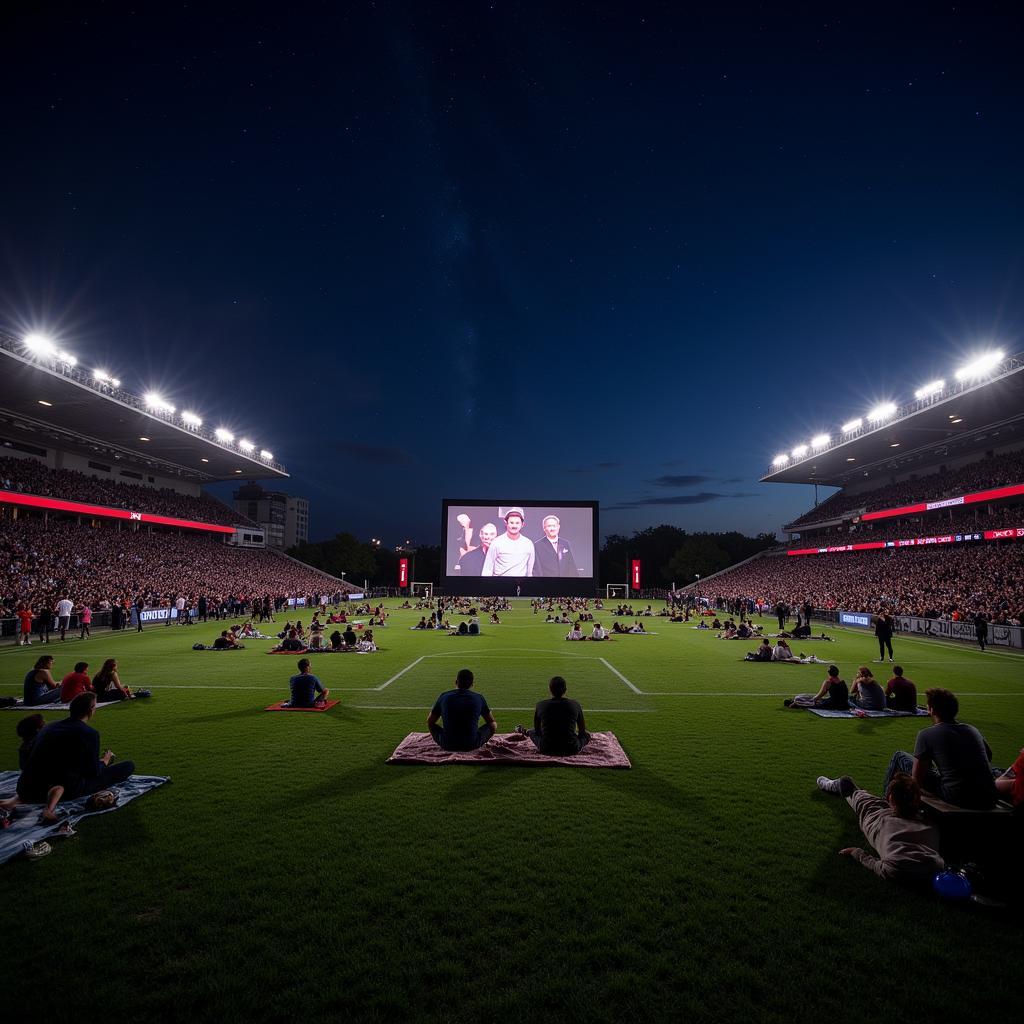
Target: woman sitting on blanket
(40, 687)
(637, 627)
(108, 686)
(833, 695)
(366, 644)
(866, 693)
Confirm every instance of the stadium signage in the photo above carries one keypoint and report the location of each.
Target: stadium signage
(105, 512)
(861, 619)
(964, 499)
(1015, 533)
(946, 629)
(158, 614)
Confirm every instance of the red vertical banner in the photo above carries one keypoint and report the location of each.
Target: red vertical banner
(403, 572)
(634, 575)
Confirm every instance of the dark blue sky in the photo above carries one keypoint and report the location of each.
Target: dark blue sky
(612, 251)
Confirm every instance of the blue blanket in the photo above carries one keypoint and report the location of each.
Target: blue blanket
(27, 830)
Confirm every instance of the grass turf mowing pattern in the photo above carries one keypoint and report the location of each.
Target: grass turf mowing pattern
(287, 871)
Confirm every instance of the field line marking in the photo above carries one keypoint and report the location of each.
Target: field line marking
(950, 645)
(398, 675)
(611, 668)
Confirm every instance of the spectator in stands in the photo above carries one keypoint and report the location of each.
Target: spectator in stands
(66, 757)
(306, 689)
(74, 683)
(908, 849)
(900, 692)
(865, 693)
(460, 711)
(558, 726)
(108, 685)
(39, 687)
(951, 759)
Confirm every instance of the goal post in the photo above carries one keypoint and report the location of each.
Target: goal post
(614, 590)
(423, 590)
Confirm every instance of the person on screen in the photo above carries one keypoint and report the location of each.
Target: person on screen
(553, 555)
(472, 562)
(511, 554)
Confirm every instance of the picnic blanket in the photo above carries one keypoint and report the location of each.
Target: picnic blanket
(603, 751)
(32, 708)
(283, 705)
(26, 829)
(857, 713)
(210, 647)
(301, 650)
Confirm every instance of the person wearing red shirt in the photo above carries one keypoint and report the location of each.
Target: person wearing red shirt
(900, 693)
(75, 683)
(25, 618)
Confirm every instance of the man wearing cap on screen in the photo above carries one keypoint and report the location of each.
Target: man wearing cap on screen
(472, 562)
(511, 554)
(553, 555)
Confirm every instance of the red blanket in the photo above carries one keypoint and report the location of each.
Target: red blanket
(603, 751)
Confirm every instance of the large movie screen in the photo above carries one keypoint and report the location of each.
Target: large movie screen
(519, 548)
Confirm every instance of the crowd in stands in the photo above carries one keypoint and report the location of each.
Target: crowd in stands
(998, 471)
(100, 567)
(28, 476)
(954, 581)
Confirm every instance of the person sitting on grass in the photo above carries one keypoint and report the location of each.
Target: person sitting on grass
(108, 686)
(865, 693)
(900, 692)
(28, 730)
(349, 636)
(337, 641)
(366, 644)
(951, 759)
(833, 695)
(75, 683)
(575, 633)
(422, 624)
(598, 632)
(763, 653)
(226, 641)
(460, 711)
(306, 689)
(66, 762)
(290, 643)
(40, 687)
(908, 849)
(558, 726)
(783, 652)
(1009, 785)
(637, 627)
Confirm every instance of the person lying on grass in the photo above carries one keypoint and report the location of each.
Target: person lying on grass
(558, 726)
(306, 689)
(908, 849)
(454, 720)
(833, 695)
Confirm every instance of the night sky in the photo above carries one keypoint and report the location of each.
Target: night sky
(603, 251)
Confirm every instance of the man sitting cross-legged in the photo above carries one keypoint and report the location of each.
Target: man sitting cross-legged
(307, 691)
(461, 710)
(558, 726)
(908, 849)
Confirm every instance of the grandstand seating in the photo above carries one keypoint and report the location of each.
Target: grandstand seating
(999, 471)
(28, 476)
(40, 560)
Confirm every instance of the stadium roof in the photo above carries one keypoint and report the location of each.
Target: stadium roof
(969, 417)
(48, 402)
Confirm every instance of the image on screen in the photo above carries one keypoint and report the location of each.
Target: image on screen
(526, 548)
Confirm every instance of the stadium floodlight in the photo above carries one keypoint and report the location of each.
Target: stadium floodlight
(852, 425)
(102, 377)
(884, 411)
(266, 456)
(156, 403)
(799, 451)
(224, 435)
(67, 357)
(114, 382)
(246, 446)
(936, 387)
(190, 419)
(780, 460)
(820, 441)
(39, 344)
(982, 365)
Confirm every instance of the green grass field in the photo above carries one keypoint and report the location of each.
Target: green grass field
(288, 872)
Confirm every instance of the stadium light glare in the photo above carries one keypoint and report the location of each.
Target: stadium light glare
(936, 387)
(246, 446)
(266, 456)
(852, 425)
(155, 402)
(882, 412)
(980, 366)
(39, 344)
(114, 382)
(799, 451)
(224, 435)
(820, 441)
(67, 357)
(101, 376)
(780, 460)
(190, 419)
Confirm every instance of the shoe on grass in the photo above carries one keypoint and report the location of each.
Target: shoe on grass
(37, 850)
(827, 785)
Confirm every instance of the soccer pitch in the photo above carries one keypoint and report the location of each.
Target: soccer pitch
(288, 872)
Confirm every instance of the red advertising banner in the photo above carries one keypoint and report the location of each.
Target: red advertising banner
(102, 511)
(930, 506)
(634, 575)
(1013, 533)
(403, 572)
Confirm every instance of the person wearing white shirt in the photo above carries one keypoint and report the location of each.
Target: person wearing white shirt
(575, 633)
(599, 632)
(64, 610)
(511, 554)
